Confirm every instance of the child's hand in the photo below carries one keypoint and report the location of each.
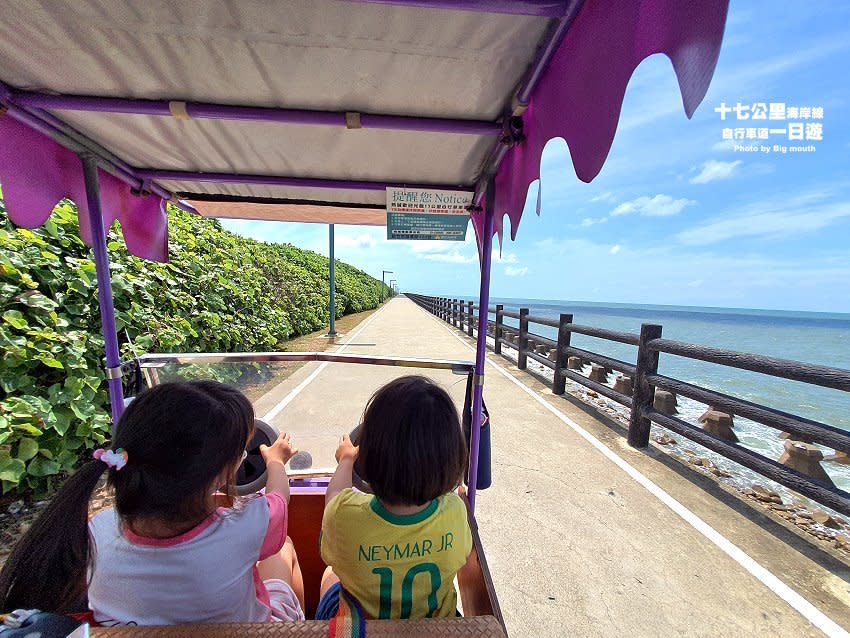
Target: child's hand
(281, 450)
(346, 449)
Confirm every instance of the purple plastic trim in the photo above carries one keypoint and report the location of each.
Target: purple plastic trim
(104, 285)
(201, 110)
(278, 180)
(481, 344)
(540, 8)
(308, 489)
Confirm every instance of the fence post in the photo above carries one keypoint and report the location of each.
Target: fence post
(559, 381)
(497, 346)
(443, 309)
(456, 313)
(522, 342)
(469, 318)
(647, 363)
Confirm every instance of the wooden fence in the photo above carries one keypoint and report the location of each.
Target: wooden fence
(645, 380)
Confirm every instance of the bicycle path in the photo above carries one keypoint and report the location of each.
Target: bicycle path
(584, 535)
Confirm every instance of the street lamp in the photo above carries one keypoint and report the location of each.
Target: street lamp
(393, 288)
(383, 274)
(331, 283)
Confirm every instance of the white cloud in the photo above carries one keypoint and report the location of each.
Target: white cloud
(363, 240)
(615, 249)
(505, 258)
(453, 257)
(604, 197)
(756, 75)
(724, 146)
(658, 206)
(713, 170)
(515, 271)
(779, 218)
(587, 222)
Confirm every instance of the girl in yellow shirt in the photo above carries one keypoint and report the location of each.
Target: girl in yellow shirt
(397, 552)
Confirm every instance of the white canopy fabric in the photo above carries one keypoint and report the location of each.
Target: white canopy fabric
(307, 54)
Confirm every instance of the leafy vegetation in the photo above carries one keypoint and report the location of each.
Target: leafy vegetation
(218, 293)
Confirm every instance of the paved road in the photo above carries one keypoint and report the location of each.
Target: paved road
(585, 536)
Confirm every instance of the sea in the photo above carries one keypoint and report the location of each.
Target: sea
(811, 337)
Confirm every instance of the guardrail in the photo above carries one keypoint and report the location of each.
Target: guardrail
(641, 381)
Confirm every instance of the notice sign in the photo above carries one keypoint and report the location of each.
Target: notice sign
(415, 213)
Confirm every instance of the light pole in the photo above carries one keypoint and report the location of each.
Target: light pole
(384, 273)
(392, 288)
(332, 282)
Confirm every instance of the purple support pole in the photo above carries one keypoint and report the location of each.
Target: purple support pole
(280, 180)
(481, 344)
(104, 288)
(203, 110)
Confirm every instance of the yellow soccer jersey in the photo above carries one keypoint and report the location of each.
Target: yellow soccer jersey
(397, 566)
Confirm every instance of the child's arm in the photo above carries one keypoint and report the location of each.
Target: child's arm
(346, 453)
(276, 457)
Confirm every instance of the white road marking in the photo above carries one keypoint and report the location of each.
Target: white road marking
(271, 414)
(767, 578)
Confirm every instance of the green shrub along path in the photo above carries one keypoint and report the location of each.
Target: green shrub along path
(218, 293)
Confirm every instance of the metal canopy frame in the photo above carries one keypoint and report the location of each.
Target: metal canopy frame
(33, 109)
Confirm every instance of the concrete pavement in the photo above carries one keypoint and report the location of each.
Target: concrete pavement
(584, 535)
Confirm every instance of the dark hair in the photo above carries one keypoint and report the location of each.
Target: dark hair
(411, 448)
(179, 437)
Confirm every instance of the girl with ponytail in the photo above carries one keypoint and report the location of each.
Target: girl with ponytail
(166, 554)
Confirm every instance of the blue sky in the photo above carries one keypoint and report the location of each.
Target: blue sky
(676, 216)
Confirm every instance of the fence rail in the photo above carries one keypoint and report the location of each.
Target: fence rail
(641, 380)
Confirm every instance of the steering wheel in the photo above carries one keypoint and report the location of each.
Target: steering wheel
(251, 475)
(356, 481)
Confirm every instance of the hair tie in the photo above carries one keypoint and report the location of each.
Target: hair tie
(115, 459)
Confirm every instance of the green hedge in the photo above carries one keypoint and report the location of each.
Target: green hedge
(219, 292)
